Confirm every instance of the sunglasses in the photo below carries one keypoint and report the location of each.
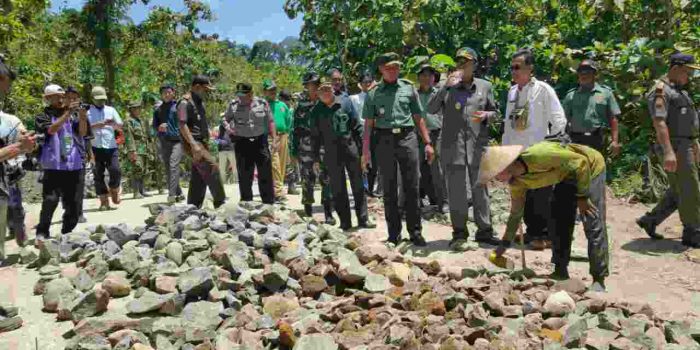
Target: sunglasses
(516, 67)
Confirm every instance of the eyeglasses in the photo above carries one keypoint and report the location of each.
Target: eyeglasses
(515, 67)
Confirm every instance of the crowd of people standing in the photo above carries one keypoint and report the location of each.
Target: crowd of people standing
(420, 145)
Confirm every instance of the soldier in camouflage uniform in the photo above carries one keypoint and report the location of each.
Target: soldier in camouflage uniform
(139, 164)
(302, 150)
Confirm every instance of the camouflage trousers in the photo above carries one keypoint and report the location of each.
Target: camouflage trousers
(561, 229)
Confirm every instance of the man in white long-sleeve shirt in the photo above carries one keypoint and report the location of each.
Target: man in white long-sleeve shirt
(533, 112)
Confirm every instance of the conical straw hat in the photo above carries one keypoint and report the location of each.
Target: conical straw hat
(495, 159)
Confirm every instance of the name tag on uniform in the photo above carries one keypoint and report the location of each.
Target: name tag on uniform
(684, 110)
(381, 111)
(458, 106)
(396, 131)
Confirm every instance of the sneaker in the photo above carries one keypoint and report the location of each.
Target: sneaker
(649, 228)
(418, 240)
(538, 244)
(487, 239)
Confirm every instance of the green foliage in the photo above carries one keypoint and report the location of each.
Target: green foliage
(631, 39)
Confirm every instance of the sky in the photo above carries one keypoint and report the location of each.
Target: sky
(243, 21)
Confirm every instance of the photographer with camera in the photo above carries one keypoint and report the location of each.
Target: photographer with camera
(105, 121)
(14, 141)
(62, 156)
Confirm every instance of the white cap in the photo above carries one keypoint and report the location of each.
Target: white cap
(53, 89)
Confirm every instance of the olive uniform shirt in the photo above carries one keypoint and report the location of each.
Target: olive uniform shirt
(393, 105)
(433, 121)
(588, 110)
(549, 163)
(675, 107)
(333, 126)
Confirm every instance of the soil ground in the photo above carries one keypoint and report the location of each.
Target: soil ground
(657, 272)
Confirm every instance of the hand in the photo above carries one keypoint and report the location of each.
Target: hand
(479, 116)
(696, 152)
(109, 121)
(615, 149)
(454, 78)
(365, 162)
(74, 105)
(197, 154)
(429, 153)
(317, 167)
(132, 157)
(670, 162)
(586, 207)
(27, 142)
(82, 113)
(163, 127)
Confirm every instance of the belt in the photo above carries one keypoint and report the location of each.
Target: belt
(589, 133)
(396, 131)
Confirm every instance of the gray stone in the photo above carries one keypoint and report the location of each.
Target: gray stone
(375, 283)
(149, 238)
(111, 248)
(147, 302)
(49, 252)
(28, 255)
(174, 252)
(599, 339)
(193, 223)
(10, 323)
(196, 282)
(126, 260)
(89, 304)
(82, 281)
(350, 269)
(275, 277)
(121, 234)
(247, 237)
(610, 319)
(59, 294)
(559, 304)
(97, 267)
(200, 319)
(317, 341)
(49, 270)
(162, 241)
(573, 337)
(218, 226)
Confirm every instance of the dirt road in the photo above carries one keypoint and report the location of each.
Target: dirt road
(656, 272)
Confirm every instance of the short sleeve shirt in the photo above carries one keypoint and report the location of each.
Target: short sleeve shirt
(393, 105)
(676, 107)
(590, 110)
(432, 120)
(62, 150)
(196, 119)
(280, 113)
(249, 120)
(104, 137)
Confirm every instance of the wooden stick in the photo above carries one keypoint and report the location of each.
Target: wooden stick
(522, 245)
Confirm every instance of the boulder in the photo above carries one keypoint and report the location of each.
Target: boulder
(82, 281)
(275, 277)
(277, 305)
(116, 285)
(88, 305)
(317, 341)
(59, 294)
(372, 252)
(196, 282)
(121, 234)
(350, 270)
(559, 304)
(313, 285)
(375, 283)
(174, 252)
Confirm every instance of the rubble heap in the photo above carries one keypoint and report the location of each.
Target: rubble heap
(254, 276)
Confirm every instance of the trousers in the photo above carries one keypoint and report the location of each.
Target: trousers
(595, 139)
(562, 229)
(171, 155)
(205, 174)
(279, 163)
(341, 157)
(59, 185)
(252, 153)
(227, 166)
(683, 193)
(106, 159)
(537, 213)
(432, 178)
(399, 152)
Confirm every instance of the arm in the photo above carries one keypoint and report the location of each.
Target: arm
(658, 108)
(83, 123)
(185, 130)
(271, 123)
(613, 112)
(419, 121)
(566, 105)
(436, 101)
(517, 211)
(53, 128)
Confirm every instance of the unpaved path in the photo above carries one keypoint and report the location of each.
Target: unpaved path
(642, 270)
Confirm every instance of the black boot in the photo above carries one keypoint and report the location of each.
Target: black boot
(142, 189)
(308, 210)
(649, 227)
(328, 210)
(560, 273)
(418, 240)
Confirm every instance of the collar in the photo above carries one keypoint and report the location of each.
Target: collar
(596, 88)
(384, 84)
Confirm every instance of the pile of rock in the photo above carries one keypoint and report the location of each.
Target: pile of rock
(254, 276)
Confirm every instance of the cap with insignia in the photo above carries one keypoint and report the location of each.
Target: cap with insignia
(587, 65)
(681, 59)
(423, 67)
(467, 53)
(310, 77)
(389, 58)
(325, 83)
(243, 89)
(269, 84)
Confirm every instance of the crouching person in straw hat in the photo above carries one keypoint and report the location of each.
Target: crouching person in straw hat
(578, 173)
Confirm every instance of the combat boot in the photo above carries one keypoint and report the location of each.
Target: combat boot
(418, 240)
(308, 210)
(649, 227)
(560, 273)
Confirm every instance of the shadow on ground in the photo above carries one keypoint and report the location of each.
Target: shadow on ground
(653, 247)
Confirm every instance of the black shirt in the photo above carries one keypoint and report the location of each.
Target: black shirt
(197, 119)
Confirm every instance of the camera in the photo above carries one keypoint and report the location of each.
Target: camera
(85, 106)
(40, 139)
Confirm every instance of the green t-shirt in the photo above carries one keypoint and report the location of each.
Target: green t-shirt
(282, 116)
(393, 105)
(590, 110)
(432, 121)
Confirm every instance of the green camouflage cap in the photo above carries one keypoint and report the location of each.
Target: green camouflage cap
(388, 58)
(269, 84)
(326, 82)
(468, 53)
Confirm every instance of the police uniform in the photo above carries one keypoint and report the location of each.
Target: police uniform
(674, 105)
(336, 129)
(588, 113)
(463, 143)
(392, 107)
(249, 126)
(302, 149)
(204, 173)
